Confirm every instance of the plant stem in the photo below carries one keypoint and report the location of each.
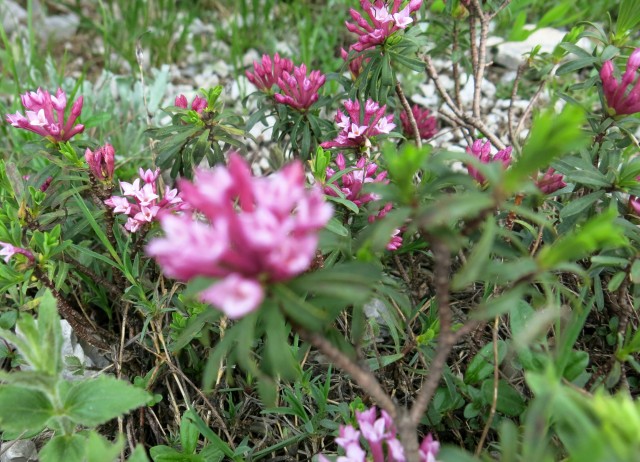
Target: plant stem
(409, 112)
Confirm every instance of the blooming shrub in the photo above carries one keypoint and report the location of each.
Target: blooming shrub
(356, 129)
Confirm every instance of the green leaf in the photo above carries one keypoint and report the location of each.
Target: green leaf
(449, 209)
(138, 455)
(579, 205)
(67, 448)
(99, 449)
(481, 366)
(598, 233)
(509, 402)
(96, 401)
(23, 412)
(97, 229)
(478, 259)
(168, 454)
(628, 17)
(214, 439)
(189, 433)
(552, 135)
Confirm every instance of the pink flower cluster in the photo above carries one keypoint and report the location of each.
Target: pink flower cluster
(101, 162)
(356, 129)
(619, 101)
(299, 90)
(267, 72)
(380, 435)
(634, 202)
(381, 22)
(351, 184)
(356, 64)
(45, 115)
(551, 182)
(257, 230)
(143, 204)
(427, 124)
(9, 250)
(482, 150)
(198, 104)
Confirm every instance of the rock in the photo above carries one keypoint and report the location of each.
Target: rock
(221, 68)
(18, 451)
(12, 16)
(59, 28)
(510, 54)
(249, 57)
(466, 92)
(374, 308)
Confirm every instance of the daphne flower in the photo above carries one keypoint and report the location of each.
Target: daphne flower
(9, 250)
(355, 130)
(255, 230)
(101, 162)
(483, 152)
(45, 115)
(427, 124)
(429, 449)
(267, 72)
(382, 22)
(619, 100)
(198, 104)
(551, 182)
(298, 90)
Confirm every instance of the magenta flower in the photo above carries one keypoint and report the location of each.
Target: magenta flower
(298, 90)
(244, 230)
(198, 104)
(46, 183)
(45, 115)
(356, 65)
(352, 182)
(267, 72)
(143, 204)
(483, 152)
(551, 182)
(429, 449)
(619, 101)
(9, 250)
(427, 124)
(356, 130)
(101, 162)
(381, 22)
(634, 202)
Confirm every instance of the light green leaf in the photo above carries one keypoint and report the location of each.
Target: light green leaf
(23, 412)
(67, 448)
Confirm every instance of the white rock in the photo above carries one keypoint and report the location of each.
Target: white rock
(59, 28)
(221, 68)
(466, 92)
(18, 451)
(12, 15)
(510, 54)
(374, 308)
(249, 57)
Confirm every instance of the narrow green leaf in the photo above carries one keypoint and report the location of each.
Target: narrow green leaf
(478, 259)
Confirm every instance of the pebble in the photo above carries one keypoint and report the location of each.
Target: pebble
(18, 451)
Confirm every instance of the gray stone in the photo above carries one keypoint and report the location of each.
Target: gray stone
(12, 15)
(19, 451)
(59, 28)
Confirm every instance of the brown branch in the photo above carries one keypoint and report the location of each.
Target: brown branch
(409, 112)
(514, 95)
(496, 378)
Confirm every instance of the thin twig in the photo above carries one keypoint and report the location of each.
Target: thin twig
(409, 112)
(512, 109)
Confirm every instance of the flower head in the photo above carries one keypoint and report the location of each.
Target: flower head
(356, 64)
(351, 183)
(143, 204)
(245, 231)
(299, 90)
(381, 23)
(101, 162)
(44, 115)
(427, 124)
(619, 100)
(482, 150)
(198, 104)
(8, 250)
(356, 128)
(267, 71)
(551, 182)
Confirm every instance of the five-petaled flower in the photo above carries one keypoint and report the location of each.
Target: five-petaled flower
(44, 115)
(619, 100)
(245, 231)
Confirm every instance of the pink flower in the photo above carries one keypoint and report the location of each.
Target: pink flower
(619, 100)
(267, 72)
(298, 90)
(483, 152)
(9, 250)
(198, 104)
(255, 230)
(355, 130)
(348, 435)
(352, 182)
(551, 182)
(45, 185)
(427, 124)
(101, 162)
(381, 22)
(429, 449)
(356, 64)
(145, 203)
(45, 115)
(634, 202)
